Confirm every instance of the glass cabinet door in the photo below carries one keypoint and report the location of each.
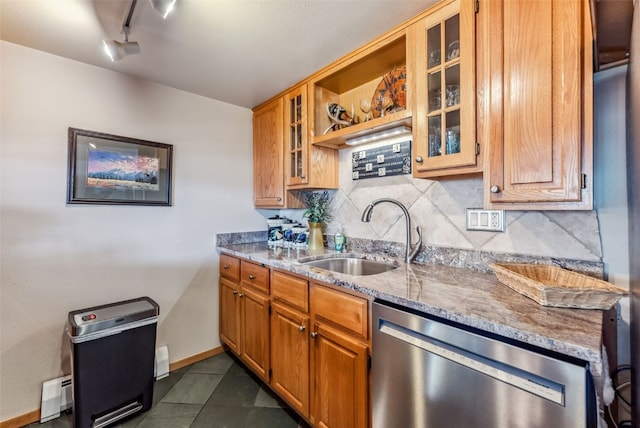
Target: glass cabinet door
(296, 136)
(445, 68)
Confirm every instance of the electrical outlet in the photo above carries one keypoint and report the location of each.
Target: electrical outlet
(487, 220)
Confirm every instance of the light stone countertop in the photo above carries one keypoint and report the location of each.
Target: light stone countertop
(469, 297)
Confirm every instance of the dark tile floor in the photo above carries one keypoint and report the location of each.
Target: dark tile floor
(218, 392)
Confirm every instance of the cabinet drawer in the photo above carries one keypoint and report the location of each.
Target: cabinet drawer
(344, 310)
(291, 290)
(230, 267)
(255, 275)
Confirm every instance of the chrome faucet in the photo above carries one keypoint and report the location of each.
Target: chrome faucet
(411, 251)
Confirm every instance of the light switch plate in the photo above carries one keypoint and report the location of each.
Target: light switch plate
(487, 220)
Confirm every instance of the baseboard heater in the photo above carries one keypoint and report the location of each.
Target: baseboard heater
(56, 398)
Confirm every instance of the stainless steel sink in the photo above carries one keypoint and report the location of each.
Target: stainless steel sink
(352, 265)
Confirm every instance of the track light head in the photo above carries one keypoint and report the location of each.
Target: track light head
(164, 7)
(116, 50)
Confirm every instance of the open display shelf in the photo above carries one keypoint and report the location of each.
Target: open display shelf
(357, 79)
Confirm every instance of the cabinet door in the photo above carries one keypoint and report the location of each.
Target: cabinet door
(290, 356)
(230, 314)
(306, 165)
(339, 380)
(535, 73)
(254, 349)
(268, 163)
(443, 46)
(295, 136)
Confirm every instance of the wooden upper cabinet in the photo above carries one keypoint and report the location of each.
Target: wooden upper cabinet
(268, 162)
(442, 55)
(306, 166)
(535, 103)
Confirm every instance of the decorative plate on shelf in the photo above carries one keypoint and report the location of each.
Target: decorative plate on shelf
(391, 94)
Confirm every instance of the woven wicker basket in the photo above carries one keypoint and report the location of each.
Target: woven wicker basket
(555, 286)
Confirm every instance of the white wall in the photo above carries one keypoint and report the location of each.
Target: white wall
(610, 192)
(56, 257)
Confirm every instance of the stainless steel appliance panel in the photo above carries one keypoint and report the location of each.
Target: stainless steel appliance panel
(429, 374)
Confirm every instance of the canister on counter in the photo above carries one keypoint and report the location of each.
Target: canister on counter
(299, 237)
(274, 231)
(287, 233)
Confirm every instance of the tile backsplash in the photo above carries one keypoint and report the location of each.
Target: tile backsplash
(439, 207)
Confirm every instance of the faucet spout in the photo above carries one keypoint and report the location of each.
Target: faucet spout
(411, 250)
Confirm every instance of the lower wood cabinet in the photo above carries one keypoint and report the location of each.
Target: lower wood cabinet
(244, 312)
(230, 314)
(290, 356)
(340, 379)
(309, 342)
(339, 355)
(254, 350)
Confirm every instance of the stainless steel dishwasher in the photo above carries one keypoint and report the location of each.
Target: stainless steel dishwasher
(431, 373)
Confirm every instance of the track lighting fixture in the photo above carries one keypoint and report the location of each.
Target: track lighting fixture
(116, 50)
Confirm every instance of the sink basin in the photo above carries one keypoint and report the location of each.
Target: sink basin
(352, 265)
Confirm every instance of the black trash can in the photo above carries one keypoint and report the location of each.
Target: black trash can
(112, 360)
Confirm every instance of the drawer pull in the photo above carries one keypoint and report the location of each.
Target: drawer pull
(252, 277)
(301, 328)
(226, 267)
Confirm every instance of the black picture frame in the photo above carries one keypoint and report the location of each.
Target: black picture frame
(111, 169)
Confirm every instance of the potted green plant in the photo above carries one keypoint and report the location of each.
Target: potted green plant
(317, 214)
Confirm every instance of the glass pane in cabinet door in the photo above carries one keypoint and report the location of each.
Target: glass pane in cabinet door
(435, 92)
(299, 136)
(299, 164)
(435, 136)
(452, 86)
(292, 137)
(452, 135)
(293, 163)
(292, 111)
(434, 49)
(298, 108)
(452, 38)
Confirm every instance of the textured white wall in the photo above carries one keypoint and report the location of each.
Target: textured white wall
(56, 258)
(610, 198)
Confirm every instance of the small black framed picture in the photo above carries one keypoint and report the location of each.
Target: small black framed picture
(110, 169)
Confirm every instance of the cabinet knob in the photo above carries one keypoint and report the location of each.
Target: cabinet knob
(419, 159)
(494, 189)
(279, 198)
(314, 334)
(301, 328)
(235, 293)
(252, 277)
(240, 295)
(226, 266)
(302, 176)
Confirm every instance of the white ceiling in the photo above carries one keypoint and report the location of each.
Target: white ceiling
(237, 51)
